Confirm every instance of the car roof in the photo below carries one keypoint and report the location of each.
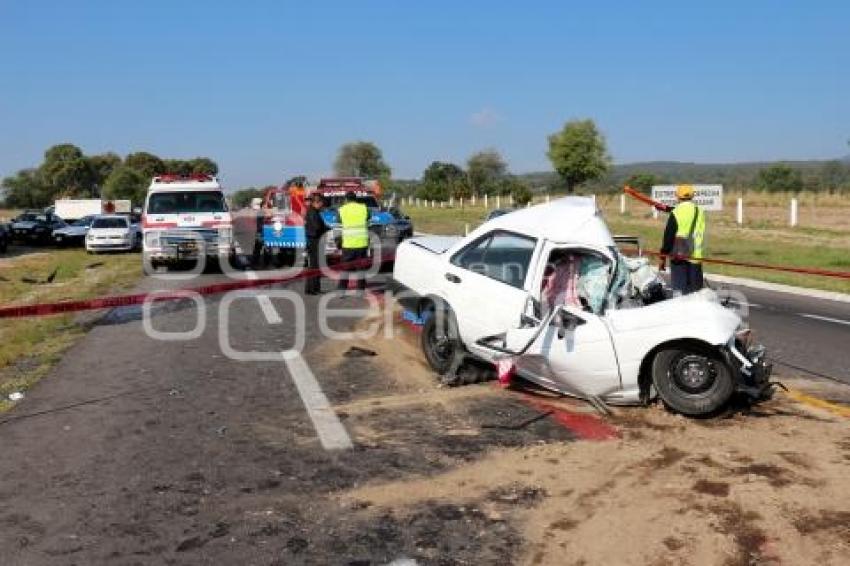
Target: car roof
(568, 220)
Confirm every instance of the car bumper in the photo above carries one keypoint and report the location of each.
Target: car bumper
(111, 246)
(753, 369)
(179, 253)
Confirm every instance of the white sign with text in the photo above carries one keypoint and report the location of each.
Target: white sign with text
(709, 197)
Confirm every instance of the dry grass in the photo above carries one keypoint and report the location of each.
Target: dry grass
(30, 346)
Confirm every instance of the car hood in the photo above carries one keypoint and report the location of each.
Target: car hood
(436, 244)
(72, 230)
(109, 232)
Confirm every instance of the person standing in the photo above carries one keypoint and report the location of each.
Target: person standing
(684, 236)
(314, 229)
(354, 217)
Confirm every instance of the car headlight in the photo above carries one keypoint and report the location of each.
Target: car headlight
(153, 239)
(278, 226)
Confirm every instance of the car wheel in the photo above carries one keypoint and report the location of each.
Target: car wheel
(440, 341)
(692, 380)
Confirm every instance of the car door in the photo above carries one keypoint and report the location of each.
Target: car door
(484, 283)
(580, 359)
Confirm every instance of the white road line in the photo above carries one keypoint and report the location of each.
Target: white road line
(744, 304)
(825, 318)
(332, 434)
(272, 317)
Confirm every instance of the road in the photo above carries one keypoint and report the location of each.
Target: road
(805, 336)
(137, 450)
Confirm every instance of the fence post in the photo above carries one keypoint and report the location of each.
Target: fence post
(547, 198)
(793, 219)
(740, 215)
(511, 200)
(485, 201)
(473, 199)
(466, 229)
(451, 201)
(654, 212)
(622, 204)
(498, 201)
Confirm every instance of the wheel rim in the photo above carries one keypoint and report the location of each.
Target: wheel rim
(441, 346)
(693, 373)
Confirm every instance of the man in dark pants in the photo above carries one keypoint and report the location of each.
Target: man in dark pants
(354, 217)
(683, 243)
(314, 228)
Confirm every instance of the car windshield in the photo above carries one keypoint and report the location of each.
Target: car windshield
(186, 201)
(339, 200)
(111, 222)
(27, 217)
(83, 221)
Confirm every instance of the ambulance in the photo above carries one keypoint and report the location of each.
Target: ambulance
(185, 218)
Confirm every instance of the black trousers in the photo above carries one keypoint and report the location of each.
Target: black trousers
(313, 284)
(353, 254)
(686, 276)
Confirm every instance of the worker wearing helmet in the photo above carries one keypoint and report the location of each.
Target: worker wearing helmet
(683, 243)
(354, 217)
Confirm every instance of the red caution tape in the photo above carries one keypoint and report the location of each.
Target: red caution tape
(783, 268)
(45, 309)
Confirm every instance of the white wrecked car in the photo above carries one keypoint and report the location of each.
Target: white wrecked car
(547, 289)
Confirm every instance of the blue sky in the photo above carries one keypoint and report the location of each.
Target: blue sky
(271, 89)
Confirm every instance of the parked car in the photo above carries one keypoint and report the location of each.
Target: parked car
(36, 227)
(546, 290)
(5, 238)
(73, 234)
(113, 232)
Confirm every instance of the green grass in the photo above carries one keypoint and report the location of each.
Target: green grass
(785, 247)
(29, 347)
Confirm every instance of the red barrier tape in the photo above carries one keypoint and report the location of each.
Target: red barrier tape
(46, 309)
(786, 269)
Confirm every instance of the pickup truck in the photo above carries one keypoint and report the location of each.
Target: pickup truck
(546, 289)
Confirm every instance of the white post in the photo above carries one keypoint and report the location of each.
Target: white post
(451, 201)
(466, 229)
(485, 201)
(793, 212)
(654, 212)
(461, 202)
(498, 201)
(528, 204)
(511, 200)
(547, 198)
(473, 199)
(622, 204)
(740, 216)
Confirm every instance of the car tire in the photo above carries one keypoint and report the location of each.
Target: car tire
(440, 341)
(693, 380)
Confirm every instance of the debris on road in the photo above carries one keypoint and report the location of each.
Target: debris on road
(16, 396)
(358, 352)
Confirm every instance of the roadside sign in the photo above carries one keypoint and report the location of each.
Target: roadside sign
(709, 197)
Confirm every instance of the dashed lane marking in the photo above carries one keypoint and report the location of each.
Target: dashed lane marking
(825, 318)
(332, 434)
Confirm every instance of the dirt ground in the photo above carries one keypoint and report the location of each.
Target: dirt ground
(766, 485)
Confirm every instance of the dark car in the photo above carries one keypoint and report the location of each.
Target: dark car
(73, 234)
(35, 227)
(5, 238)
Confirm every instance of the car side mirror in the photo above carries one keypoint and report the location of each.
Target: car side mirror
(566, 321)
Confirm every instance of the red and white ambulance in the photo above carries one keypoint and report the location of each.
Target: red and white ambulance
(185, 218)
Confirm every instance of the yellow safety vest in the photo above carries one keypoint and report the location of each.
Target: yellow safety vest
(355, 232)
(685, 213)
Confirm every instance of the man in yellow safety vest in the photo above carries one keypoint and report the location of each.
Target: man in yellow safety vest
(684, 236)
(354, 217)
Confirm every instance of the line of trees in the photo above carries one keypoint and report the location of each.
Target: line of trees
(66, 172)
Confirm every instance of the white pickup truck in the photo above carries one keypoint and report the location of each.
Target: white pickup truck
(546, 289)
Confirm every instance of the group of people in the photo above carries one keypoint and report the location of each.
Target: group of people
(354, 217)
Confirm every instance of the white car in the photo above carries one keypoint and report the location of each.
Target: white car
(546, 290)
(113, 232)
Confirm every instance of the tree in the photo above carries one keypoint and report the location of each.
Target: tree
(515, 187)
(440, 181)
(67, 172)
(102, 166)
(125, 182)
(26, 189)
(361, 159)
(642, 182)
(484, 169)
(203, 166)
(578, 153)
(834, 175)
(178, 167)
(146, 164)
(780, 178)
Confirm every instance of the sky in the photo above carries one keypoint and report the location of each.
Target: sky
(271, 89)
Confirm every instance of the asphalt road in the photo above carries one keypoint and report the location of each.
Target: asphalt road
(145, 451)
(804, 336)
